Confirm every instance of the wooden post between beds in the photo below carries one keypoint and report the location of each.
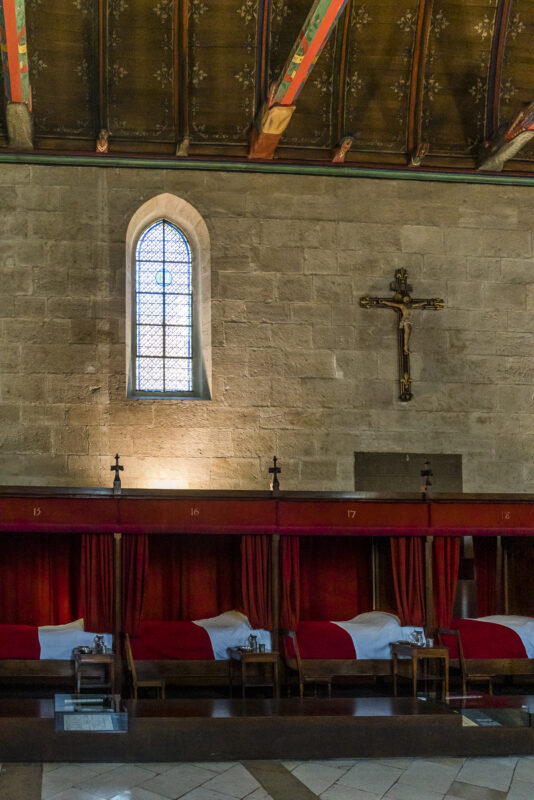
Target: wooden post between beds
(117, 610)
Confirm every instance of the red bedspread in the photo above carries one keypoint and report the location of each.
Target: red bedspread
(168, 640)
(19, 641)
(485, 640)
(321, 640)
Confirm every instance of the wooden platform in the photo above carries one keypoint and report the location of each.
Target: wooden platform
(228, 730)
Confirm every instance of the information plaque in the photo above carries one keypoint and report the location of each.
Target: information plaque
(94, 713)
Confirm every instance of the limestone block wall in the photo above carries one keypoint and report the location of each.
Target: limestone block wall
(299, 369)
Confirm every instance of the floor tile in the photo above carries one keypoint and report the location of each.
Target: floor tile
(430, 775)
(235, 782)
(405, 791)
(115, 781)
(339, 792)
(519, 790)
(317, 776)
(466, 791)
(493, 773)
(259, 794)
(137, 793)
(65, 777)
(398, 763)
(371, 777)
(201, 793)
(215, 766)
(177, 781)
(524, 770)
(73, 794)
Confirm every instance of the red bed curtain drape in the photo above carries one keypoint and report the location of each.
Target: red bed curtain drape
(192, 577)
(290, 588)
(39, 578)
(96, 585)
(446, 559)
(407, 557)
(134, 579)
(485, 552)
(256, 579)
(335, 577)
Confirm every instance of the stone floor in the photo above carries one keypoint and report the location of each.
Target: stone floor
(510, 778)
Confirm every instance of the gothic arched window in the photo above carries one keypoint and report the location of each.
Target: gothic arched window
(164, 311)
(168, 308)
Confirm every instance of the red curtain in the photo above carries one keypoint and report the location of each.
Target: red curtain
(39, 578)
(134, 579)
(290, 589)
(485, 552)
(192, 577)
(407, 557)
(96, 585)
(446, 559)
(335, 577)
(256, 579)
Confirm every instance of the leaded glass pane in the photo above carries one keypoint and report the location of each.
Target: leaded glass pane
(164, 311)
(178, 376)
(150, 374)
(178, 309)
(150, 308)
(178, 341)
(150, 340)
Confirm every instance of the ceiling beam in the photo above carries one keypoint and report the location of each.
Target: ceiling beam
(274, 115)
(505, 146)
(417, 149)
(493, 92)
(16, 76)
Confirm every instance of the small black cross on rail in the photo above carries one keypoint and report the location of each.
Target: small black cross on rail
(426, 473)
(275, 471)
(118, 468)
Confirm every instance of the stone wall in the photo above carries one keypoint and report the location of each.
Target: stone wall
(299, 369)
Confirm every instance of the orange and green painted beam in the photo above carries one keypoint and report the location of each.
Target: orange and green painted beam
(14, 51)
(308, 47)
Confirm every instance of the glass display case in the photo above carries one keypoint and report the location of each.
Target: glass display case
(94, 713)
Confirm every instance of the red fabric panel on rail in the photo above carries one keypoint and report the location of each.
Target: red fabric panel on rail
(335, 577)
(290, 590)
(485, 552)
(192, 577)
(256, 579)
(96, 589)
(134, 579)
(407, 558)
(446, 561)
(157, 640)
(39, 578)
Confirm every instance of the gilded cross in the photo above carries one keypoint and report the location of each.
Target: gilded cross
(403, 304)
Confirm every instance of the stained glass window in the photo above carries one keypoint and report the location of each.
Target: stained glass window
(164, 311)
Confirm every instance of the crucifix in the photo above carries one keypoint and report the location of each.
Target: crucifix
(275, 471)
(118, 468)
(403, 304)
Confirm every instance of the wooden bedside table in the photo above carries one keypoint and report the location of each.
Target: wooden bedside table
(271, 660)
(94, 671)
(416, 654)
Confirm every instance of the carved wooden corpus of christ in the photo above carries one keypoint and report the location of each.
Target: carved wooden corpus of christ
(403, 304)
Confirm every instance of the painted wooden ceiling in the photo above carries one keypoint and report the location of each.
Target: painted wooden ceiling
(409, 80)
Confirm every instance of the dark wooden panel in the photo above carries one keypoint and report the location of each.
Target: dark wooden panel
(520, 566)
(55, 514)
(62, 48)
(222, 76)
(208, 516)
(378, 77)
(140, 75)
(456, 74)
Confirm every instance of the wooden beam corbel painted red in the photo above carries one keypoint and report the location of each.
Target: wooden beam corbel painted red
(14, 51)
(520, 132)
(273, 117)
(16, 76)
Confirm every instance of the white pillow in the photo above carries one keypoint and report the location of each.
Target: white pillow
(76, 625)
